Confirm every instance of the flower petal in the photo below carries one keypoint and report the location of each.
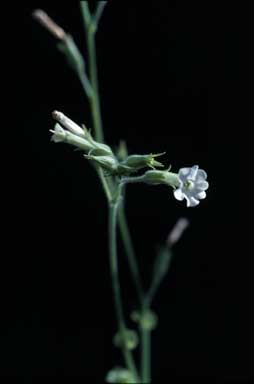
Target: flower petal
(58, 133)
(179, 195)
(184, 173)
(201, 175)
(202, 185)
(193, 172)
(191, 201)
(201, 195)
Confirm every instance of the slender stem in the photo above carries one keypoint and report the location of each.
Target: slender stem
(94, 100)
(133, 179)
(99, 10)
(85, 84)
(145, 355)
(114, 265)
(130, 253)
(90, 27)
(85, 12)
(116, 284)
(104, 183)
(145, 334)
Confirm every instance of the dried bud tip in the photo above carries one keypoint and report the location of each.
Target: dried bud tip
(56, 115)
(177, 231)
(49, 24)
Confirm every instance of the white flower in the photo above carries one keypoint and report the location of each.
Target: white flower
(59, 134)
(192, 185)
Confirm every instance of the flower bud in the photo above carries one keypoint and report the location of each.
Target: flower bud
(68, 123)
(161, 177)
(126, 339)
(109, 163)
(61, 135)
(147, 319)
(101, 149)
(135, 162)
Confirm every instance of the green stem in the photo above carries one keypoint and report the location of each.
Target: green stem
(85, 12)
(114, 265)
(94, 100)
(145, 333)
(104, 183)
(130, 253)
(146, 355)
(129, 361)
(90, 26)
(99, 10)
(85, 84)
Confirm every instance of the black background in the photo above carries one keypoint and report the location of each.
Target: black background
(170, 81)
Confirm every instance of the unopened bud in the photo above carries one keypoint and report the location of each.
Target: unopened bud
(147, 319)
(136, 162)
(101, 149)
(161, 177)
(68, 123)
(126, 339)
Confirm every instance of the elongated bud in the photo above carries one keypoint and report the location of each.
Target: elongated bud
(136, 162)
(68, 123)
(61, 135)
(82, 139)
(161, 177)
(49, 24)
